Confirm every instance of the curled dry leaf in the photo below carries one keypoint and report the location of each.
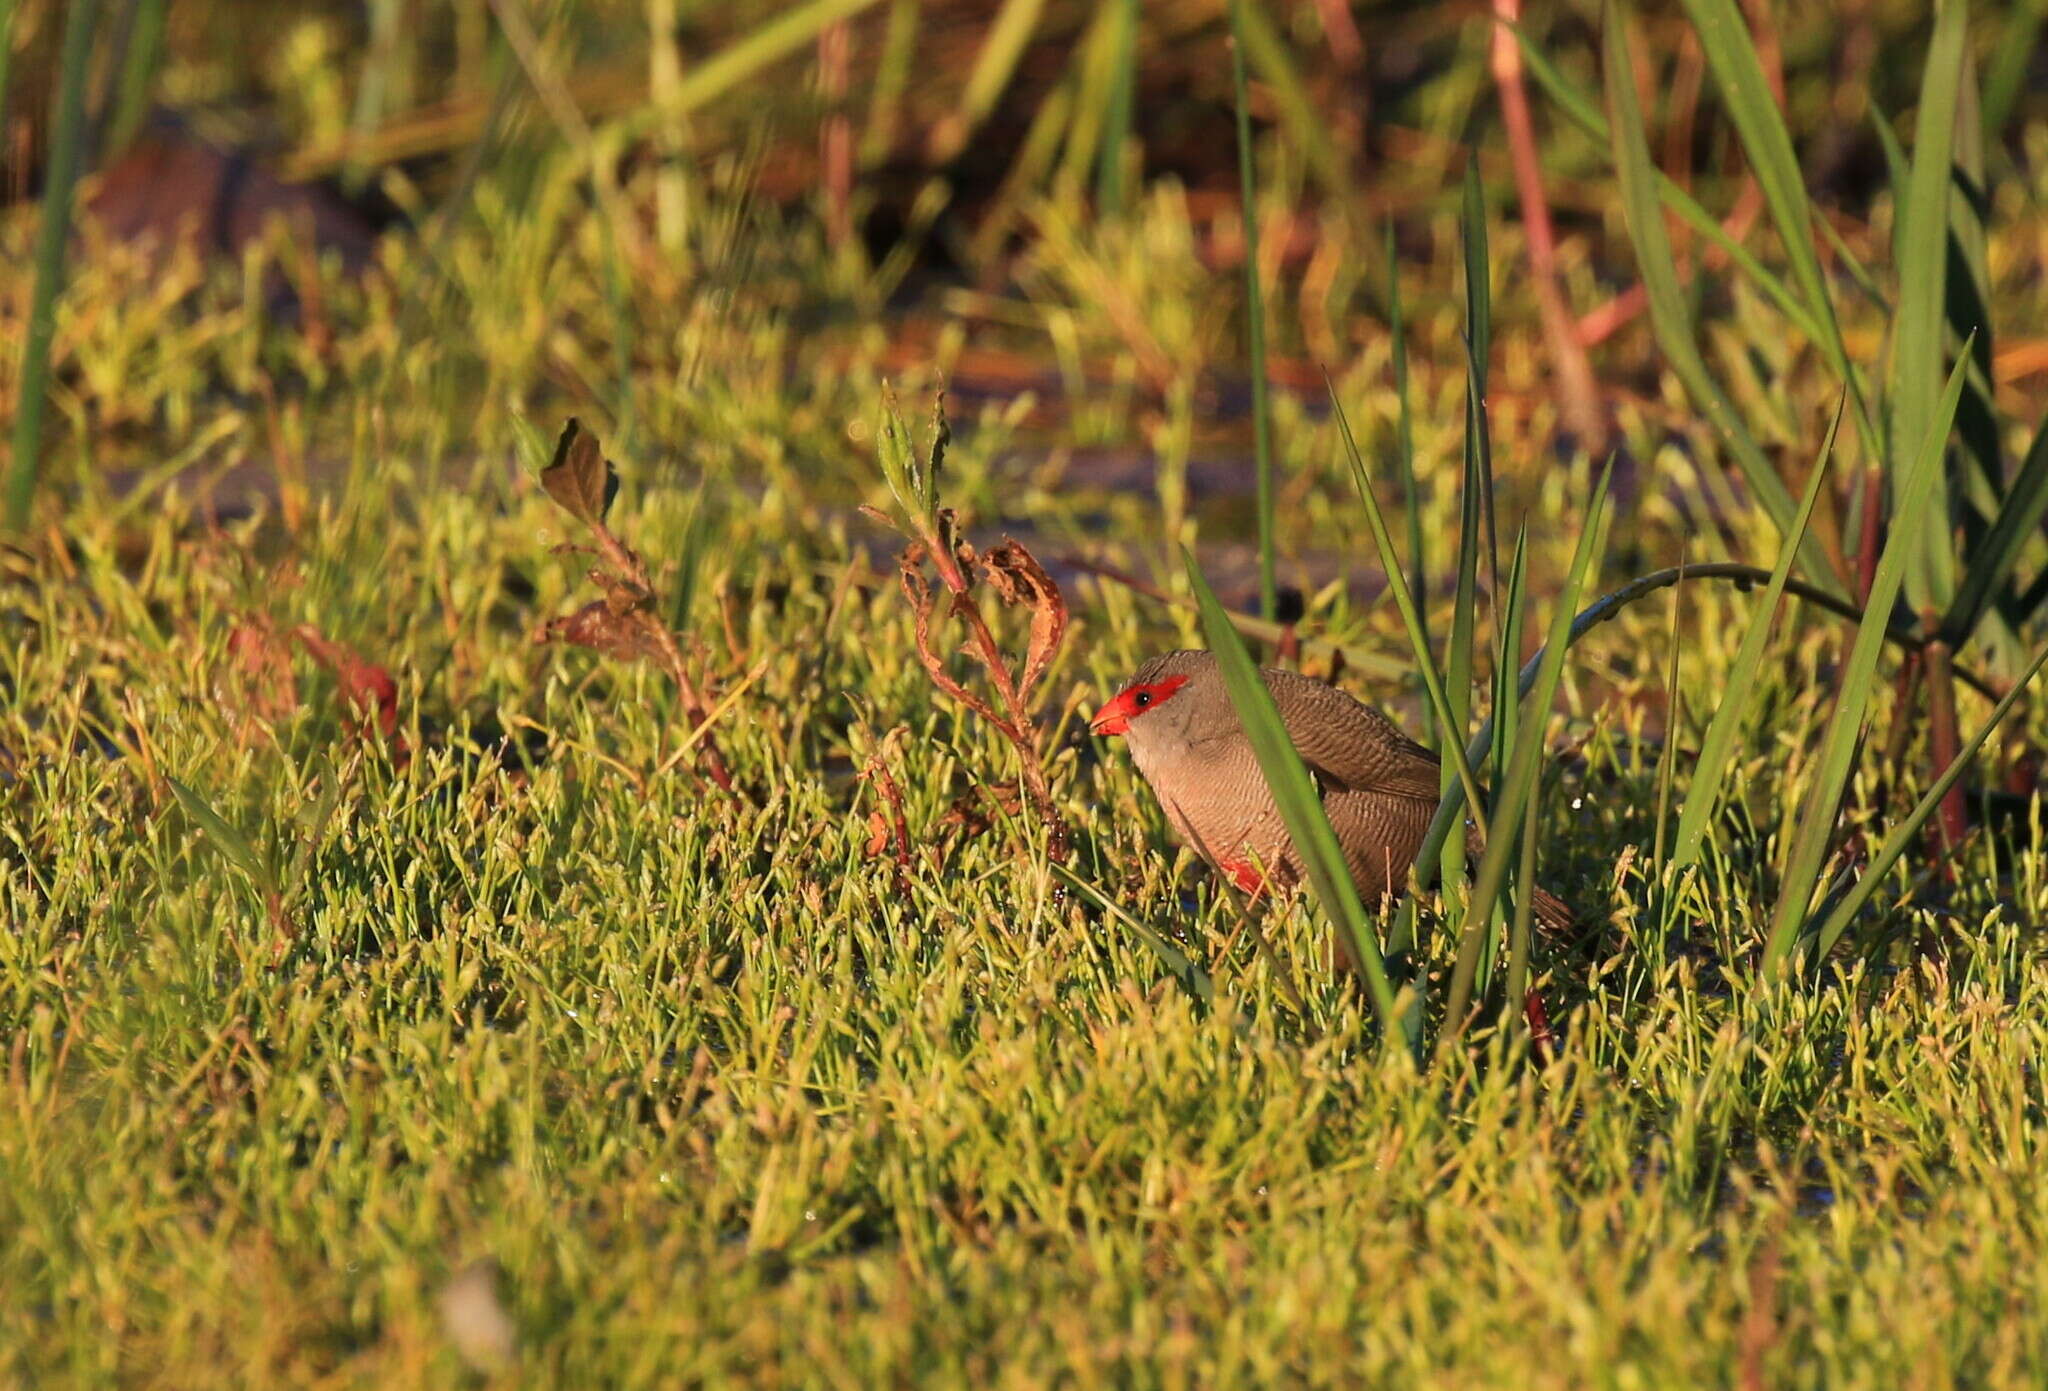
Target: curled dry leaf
(976, 810)
(600, 627)
(1020, 579)
(580, 480)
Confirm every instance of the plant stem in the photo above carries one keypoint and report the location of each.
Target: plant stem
(1255, 311)
(65, 152)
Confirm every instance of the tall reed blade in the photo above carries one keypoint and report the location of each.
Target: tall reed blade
(1919, 341)
(1515, 785)
(1116, 124)
(1990, 562)
(1584, 112)
(1461, 775)
(1746, 94)
(1904, 835)
(1308, 827)
(1816, 820)
(1670, 315)
(1404, 460)
(1739, 691)
(67, 141)
(1255, 311)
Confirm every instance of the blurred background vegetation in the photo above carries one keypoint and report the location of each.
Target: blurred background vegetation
(1026, 196)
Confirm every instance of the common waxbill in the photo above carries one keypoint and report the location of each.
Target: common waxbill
(1379, 787)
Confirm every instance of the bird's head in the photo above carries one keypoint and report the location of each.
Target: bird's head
(1159, 699)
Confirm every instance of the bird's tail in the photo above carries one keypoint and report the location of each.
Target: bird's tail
(1553, 915)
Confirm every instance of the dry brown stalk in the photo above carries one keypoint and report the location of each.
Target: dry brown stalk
(626, 623)
(1009, 569)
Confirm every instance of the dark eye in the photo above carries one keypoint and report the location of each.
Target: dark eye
(1142, 699)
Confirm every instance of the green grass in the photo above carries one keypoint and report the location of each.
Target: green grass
(727, 1103)
(295, 1029)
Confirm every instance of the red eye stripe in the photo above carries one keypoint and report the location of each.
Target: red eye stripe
(1116, 716)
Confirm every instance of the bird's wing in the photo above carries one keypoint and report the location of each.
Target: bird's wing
(1351, 744)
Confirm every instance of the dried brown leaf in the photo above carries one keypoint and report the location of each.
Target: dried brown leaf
(600, 627)
(878, 835)
(975, 811)
(1020, 579)
(581, 480)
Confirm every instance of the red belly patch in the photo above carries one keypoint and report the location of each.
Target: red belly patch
(1246, 875)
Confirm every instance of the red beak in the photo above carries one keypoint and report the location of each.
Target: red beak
(1109, 720)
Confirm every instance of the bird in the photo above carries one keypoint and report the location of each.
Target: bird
(1379, 787)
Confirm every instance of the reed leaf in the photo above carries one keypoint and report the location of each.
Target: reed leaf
(1670, 315)
(67, 143)
(1583, 111)
(1990, 562)
(1815, 824)
(1745, 93)
(1255, 311)
(1731, 711)
(1515, 786)
(1920, 342)
(1907, 830)
(1308, 827)
(1459, 765)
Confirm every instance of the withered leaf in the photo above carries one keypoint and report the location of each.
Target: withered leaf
(580, 480)
(878, 835)
(974, 812)
(1020, 579)
(602, 629)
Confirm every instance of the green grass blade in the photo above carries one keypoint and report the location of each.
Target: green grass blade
(1515, 785)
(1404, 460)
(1816, 821)
(1920, 343)
(1116, 124)
(1460, 773)
(1584, 112)
(1731, 712)
(67, 142)
(777, 39)
(7, 9)
(1478, 275)
(1670, 315)
(233, 846)
(1666, 758)
(1178, 963)
(1509, 610)
(1267, 52)
(1255, 312)
(1295, 792)
(1991, 561)
(2010, 61)
(1738, 72)
(1903, 835)
(1519, 938)
(138, 73)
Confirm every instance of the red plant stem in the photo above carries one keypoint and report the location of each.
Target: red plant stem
(1869, 541)
(1542, 1042)
(1579, 398)
(1946, 739)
